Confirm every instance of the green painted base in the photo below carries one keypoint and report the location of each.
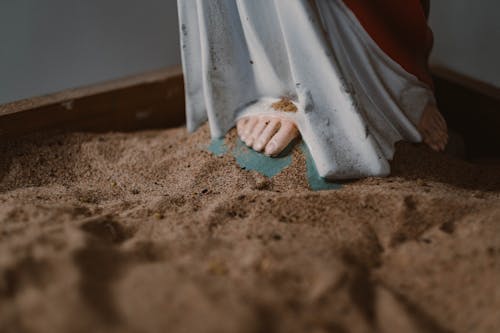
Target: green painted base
(316, 182)
(249, 159)
(217, 147)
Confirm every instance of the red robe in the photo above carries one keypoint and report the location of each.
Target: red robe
(400, 28)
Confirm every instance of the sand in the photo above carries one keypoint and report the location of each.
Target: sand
(148, 232)
(285, 104)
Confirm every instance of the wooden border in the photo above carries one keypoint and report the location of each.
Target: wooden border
(156, 100)
(467, 82)
(151, 100)
(472, 109)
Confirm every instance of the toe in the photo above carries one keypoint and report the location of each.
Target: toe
(436, 142)
(432, 143)
(252, 122)
(434, 129)
(441, 137)
(266, 135)
(436, 132)
(442, 121)
(440, 124)
(440, 141)
(443, 140)
(430, 139)
(287, 132)
(256, 131)
(240, 126)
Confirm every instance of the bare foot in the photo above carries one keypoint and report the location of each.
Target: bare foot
(433, 128)
(268, 134)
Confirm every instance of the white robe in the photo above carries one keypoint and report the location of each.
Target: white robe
(354, 102)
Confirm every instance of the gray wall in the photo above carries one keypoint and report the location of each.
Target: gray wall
(51, 45)
(467, 35)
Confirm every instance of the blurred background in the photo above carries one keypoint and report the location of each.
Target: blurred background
(51, 45)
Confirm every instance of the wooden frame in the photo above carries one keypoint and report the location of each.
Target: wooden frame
(150, 100)
(471, 108)
(156, 100)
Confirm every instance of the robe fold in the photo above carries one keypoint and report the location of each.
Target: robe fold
(359, 80)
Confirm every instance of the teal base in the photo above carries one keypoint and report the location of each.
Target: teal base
(249, 159)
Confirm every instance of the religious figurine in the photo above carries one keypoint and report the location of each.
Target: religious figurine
(350, 76)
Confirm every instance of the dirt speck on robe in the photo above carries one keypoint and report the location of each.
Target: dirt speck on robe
(148, 232)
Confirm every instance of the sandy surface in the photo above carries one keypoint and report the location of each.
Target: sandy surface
(147, 232)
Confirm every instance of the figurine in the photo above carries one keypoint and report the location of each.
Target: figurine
(349, 76)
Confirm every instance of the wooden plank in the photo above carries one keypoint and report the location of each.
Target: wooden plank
(472, 109)
(151, 100)
(475, 85)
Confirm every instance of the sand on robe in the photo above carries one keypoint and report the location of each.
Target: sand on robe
(149, 232)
